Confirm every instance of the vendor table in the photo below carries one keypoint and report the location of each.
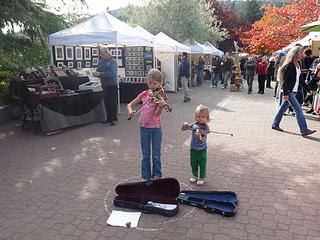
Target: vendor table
(129, 91)
(64, 111)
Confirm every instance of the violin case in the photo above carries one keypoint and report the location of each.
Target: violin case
(154, 196)
(220, 202)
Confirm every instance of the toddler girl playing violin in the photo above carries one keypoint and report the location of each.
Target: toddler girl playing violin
(198, 146)
(150, 125)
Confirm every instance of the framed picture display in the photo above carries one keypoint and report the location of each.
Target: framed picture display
(69, 53)
(95, 61)
(88, 64)
(79, 53)
(59, 64)
(70, 65)
(79, 65)
(59, 53)
(95, 52)
(87, 53)
(119, 53)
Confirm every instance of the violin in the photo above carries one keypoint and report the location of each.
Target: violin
(158, 95)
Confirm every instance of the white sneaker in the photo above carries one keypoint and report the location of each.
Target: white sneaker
(193, 179)
(211, 86)
(143, 180)
(200, 182)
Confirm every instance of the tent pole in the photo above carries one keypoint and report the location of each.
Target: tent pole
(155, 64)
(118, 86)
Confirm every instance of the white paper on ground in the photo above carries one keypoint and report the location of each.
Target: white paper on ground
(120, 218)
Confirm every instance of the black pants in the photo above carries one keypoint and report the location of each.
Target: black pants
(261, 81)
(110, 96)
(270, 77)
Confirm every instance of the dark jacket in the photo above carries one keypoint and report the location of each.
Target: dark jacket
(227, 65)
(250, 66)
(289, 79)
(271, 68)
(185, 68)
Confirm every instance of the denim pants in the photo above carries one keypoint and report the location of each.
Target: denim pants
(150, 138)
(227, 78)
(296, 106)
(215, 79)
(200, 77)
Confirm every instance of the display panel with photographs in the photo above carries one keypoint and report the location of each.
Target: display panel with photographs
(136, 61)
(59, 64)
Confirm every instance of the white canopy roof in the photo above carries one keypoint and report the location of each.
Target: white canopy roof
(102, 28)
(171, 44)
(159, 45)
(196, 47)
(214, 50)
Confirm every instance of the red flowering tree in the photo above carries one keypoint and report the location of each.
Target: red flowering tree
(280, 26)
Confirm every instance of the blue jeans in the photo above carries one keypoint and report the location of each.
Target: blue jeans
(150, 137)
(299, 114)
(215, 79)
(200, 77)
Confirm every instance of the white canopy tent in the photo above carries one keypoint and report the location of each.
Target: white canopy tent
(195, 47)
(215, 51)
(166, 40)
(306, 41)
(102, 28)
(167, 50)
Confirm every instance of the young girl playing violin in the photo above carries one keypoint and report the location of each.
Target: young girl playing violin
(198, 151)
(150, 125)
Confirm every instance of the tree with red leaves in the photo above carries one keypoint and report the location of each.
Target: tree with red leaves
(280, 26)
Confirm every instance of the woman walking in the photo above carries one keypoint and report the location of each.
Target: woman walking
(289, 81)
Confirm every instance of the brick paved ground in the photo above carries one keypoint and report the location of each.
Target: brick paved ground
(61, 186)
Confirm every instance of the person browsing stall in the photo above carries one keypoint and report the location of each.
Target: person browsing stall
(150, 126)
(107, 72)
(198, 150)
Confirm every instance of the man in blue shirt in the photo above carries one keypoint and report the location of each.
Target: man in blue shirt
(107, 71)
(185, 74)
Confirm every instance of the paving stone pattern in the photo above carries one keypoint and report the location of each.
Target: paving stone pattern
(62, 186)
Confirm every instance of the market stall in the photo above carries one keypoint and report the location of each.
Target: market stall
(78, 47)
(168, 55)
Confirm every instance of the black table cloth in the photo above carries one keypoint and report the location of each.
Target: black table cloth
(71, 110)
(129, 91)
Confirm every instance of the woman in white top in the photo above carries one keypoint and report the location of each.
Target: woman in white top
(289, 82)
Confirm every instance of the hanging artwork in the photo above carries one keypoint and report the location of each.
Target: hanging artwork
(87, 53)
(69, 53)
(59, 52)
(79, 53)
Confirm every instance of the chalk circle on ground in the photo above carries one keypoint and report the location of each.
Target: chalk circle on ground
(148, 222)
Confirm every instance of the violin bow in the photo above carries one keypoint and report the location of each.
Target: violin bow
(154, 95)
(217, 132)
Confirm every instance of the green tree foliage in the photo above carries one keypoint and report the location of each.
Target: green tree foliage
(181, 20)
(251, 10)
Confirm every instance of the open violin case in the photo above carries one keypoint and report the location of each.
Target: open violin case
(220, 202)
(156, 196)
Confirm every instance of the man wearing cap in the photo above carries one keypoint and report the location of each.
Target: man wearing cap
(185, 74)
(107, 71)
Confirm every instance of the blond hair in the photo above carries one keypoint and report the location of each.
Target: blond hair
(291, 55)
(156, 75)
(202, 109)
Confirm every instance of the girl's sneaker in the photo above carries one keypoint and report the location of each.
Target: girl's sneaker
(200, 182)
(193, 179)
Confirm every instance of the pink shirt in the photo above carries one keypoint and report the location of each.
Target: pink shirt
(148, 119)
